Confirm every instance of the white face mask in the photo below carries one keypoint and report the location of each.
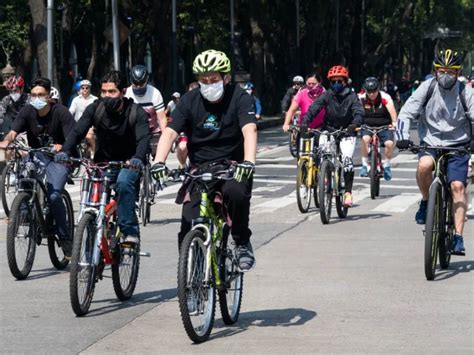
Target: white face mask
(39, 103)
(249, 92)
(212, 92)
(15, 96)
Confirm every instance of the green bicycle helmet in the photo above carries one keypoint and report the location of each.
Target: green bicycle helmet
(448, 58)
(211, 61)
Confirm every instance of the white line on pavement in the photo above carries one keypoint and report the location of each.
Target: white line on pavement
(399, 203)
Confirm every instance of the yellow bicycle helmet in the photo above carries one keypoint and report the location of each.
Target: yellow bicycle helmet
(448, 58)
(211, 61)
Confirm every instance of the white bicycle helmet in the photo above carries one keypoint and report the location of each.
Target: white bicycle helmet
(85, 82)
(298, 79)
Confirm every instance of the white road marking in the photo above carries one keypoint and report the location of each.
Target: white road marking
(399, 203)
(263, 160)
(267, 188)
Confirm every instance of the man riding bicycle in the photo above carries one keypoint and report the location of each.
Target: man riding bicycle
(122, 134)
(290, 93)
(43, 118)
(343, 110)
(379, 111)
(219, 119)
(445, 107)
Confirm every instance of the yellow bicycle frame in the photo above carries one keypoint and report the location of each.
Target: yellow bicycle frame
(307, 153)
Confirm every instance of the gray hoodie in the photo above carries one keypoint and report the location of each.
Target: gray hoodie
(443, 121)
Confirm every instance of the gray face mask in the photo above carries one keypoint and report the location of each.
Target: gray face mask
(446, 81)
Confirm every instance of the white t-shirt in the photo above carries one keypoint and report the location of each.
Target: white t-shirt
(171, 106)
(151, 102)
(79, 104)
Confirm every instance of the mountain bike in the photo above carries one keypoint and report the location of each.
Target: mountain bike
(31, 218)
(208, 262)
(331, 175)
(439, 226)
(307, 171)
(376, 166)
(148, 189)
(98, 241)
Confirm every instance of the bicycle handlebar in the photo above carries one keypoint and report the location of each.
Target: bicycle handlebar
(455, 150)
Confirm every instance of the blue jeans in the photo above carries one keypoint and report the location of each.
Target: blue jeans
(126, 187)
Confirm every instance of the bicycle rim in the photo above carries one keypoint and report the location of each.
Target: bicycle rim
(9, 189)
(196, 298)
(340, 209)
(432, 231)
(125, 270)
(325, 192)
(56, 253)
(303, 191)
(446, 226)
(373, 175)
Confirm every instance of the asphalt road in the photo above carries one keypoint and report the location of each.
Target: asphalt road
(355, 285)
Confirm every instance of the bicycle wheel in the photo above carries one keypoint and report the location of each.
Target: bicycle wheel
(82, 276)
(446, 226)
(303, 191)
(197, 299)
(9, 188)
(125, 270)
(341, 210)
(432, 230)
(56, 253)
(374, 176)
(316, 184)
(230, 292)
(144, 196)
(293, 144)
(77, 167)
(21, 233)
(325, 191)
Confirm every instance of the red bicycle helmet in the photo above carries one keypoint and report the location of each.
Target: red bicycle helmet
(338, 70)
(14, 82)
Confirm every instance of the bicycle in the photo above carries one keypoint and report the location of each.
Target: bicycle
(307, 171)
(98, 240)
(376, 166)
(148, 189)
(208, 262)
(83, 152)
(31, 219)
(331, 175)
(293, 137)
(439, 226)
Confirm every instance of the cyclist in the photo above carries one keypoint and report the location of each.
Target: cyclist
(258, 104)
(343, 110)
(444, 121)
(150, 99)
(79, 104)
(38, 118)
(175, 97)
(219, 118)
(379, 111)
(303, 99)
(12, 103)
(122, 134)
(298, 82)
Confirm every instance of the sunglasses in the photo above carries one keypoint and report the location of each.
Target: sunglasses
(372, 91)
(337, 81)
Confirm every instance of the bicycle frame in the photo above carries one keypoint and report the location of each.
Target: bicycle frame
(306, 149)
(331, 151)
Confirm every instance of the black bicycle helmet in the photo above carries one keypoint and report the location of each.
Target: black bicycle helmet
(370, 84)
(139, 75)
(448, 58)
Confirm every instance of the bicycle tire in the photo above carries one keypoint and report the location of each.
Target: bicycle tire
(339, 197)
(316, 184)
(192, 248)
(54, 244)
(123, 253)
(446, 237)
(302, 183)
(21, 208)
(293, 142)
(325, 191)
(230, 295)
(82, 260)
(374, 175)
(8, 192)
(432, 231)
(77, 167)
(144, 196)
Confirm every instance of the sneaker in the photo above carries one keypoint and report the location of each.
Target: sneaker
(387, 173)
(245, 257)
(458, 245)
(131, 239)
(347, 200)
(66, 245)
(420, 216)
(364, 171)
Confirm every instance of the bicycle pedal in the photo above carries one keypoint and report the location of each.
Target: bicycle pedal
(145, 254)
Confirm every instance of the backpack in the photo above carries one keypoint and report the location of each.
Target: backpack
(462, 96)
(100, 112)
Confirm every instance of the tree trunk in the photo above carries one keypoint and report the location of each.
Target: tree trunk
(90, 69)
(38, 15)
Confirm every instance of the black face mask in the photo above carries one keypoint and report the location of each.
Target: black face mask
(112, 104)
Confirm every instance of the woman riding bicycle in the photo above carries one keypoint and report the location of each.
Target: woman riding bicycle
(343, 110)
(379, 111)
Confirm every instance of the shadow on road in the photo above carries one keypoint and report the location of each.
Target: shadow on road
(165, 221)
(287, 317)
(42, 273)
(454, 269)
(356, 217)
(113, 304)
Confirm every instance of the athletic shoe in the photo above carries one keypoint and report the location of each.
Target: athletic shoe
(245, 257)
(458, 245)
(364, 171)
(387, 173)
(420, 216)
(347, 200)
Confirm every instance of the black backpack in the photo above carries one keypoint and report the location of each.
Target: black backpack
(100, 113)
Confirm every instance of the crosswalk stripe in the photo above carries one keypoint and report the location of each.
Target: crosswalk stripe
(399, 203)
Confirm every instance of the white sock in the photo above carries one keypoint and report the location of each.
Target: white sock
(365, 161)
(386, 163)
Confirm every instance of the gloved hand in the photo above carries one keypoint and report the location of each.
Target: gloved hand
(244, 169)
(61, 157)
(136, 164)
(351, 129)
(404, 144)
(159, 171)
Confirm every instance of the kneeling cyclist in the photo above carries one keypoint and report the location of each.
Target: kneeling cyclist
(219, 120)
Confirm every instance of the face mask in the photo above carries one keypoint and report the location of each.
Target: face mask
(139, 91)
(315, 91)
(212, 92)
(446, 81)
(112, 104)
(249, 92)
(337, 87)
(15, 96)
(39, 103)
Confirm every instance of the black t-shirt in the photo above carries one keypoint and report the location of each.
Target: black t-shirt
(376, 113)
(57, 124)
(214, 130)
(116, 139)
